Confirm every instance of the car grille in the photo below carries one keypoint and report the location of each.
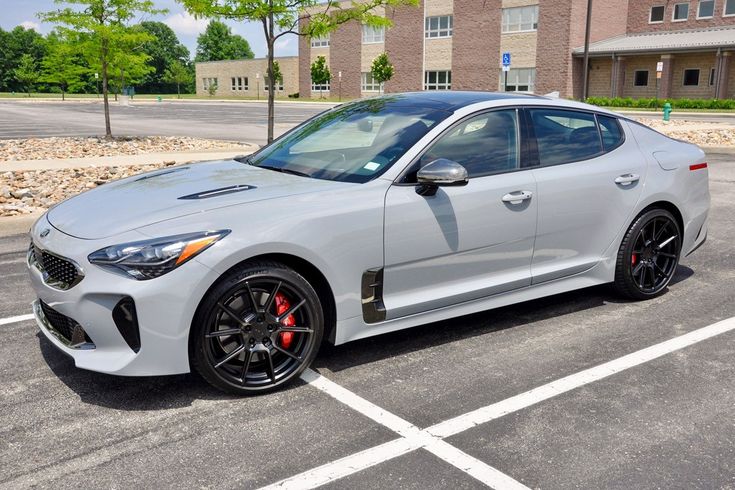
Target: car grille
(66, 327)
(58, 272)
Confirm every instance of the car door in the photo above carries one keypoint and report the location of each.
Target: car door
(589, 181)
(462, 243)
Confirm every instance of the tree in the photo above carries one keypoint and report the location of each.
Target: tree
(320, 74)
(218, 43)
(164, 49)
(13, 45)
(382, 69)
(64, 65)
(283, 17)
(27, 72)
(178, 74)
(104, 26)
(212, 89)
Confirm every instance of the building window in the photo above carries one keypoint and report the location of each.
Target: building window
(234, 84)
(681, 12)
(641, 78)
(706, 9)
(239, 83)
(520, 19)
(373, 34)
(320, 88)
(320, 42)
(729, 7)
(657, 14)
(278, 85)
(369, 84)
(691, 77)
(438, 80)
(209, 82)
(712, 77)
(519, 79)
(439, 26)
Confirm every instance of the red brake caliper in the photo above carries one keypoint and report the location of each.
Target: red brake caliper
(282, 306)
(634, 259)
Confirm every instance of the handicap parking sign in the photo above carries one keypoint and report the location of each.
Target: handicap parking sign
(506, 59)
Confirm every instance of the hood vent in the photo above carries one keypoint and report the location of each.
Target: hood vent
(218, 192)
(165, 172)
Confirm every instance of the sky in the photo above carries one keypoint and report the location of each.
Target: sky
(187, 28)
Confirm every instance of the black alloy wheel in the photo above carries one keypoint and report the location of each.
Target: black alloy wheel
(257, 330)
(649, 255)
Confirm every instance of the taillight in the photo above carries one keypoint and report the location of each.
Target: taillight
(698, 166)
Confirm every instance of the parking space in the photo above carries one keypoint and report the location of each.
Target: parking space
(375, 415)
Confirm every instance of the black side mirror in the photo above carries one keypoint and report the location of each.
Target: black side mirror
(440, 173)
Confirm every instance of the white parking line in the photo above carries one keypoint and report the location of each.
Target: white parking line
(431, 438)
(15, 319)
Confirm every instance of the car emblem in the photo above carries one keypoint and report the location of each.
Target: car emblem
(45, 233)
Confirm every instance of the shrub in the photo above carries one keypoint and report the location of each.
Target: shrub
(628, 102)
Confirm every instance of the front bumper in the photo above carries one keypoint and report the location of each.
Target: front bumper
(164, 309)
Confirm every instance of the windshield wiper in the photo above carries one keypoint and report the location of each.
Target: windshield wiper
(283, 170)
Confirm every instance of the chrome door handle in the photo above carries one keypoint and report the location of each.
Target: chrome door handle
(517, 197)
(627, 179)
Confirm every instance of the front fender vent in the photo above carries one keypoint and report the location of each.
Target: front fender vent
(218, 192)
(373, 309)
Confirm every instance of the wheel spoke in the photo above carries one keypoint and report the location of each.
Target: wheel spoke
(253, 301)
(245, 366)
(661, 232)
(230, 356)
(665, 254)
(295, 330)
(269, 365)
(667, 241)
(290, 311)
(272, 297)
(222, 333)
(232, 314)
(637, 269)
(284, 351)
(642, 278)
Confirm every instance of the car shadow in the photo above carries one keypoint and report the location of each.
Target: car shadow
(169, 392)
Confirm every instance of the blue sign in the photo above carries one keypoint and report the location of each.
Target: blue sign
(506, 59)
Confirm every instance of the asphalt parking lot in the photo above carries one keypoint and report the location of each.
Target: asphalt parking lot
(544, 394)
(236, 121)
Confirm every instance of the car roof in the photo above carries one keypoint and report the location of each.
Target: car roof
(451, 100)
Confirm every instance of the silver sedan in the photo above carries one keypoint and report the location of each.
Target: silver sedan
(377, 215)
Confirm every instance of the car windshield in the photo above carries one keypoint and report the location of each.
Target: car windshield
(354, 142)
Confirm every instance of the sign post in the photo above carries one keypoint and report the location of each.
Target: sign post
(257, 85)
(339, 77)
(97, 83)
(506, 69)
(659, 73)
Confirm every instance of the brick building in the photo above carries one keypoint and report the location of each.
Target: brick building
(245, 78)
(458, 44)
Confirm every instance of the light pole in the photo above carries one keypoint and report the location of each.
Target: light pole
(257, 85)
(586, 51)
(339, 77)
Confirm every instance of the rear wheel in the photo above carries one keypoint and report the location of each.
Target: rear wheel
(257, 330)
(648, 255)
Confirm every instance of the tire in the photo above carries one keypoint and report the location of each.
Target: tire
(648, 255)
(268, 313)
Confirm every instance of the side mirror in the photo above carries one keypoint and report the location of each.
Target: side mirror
(441, 172)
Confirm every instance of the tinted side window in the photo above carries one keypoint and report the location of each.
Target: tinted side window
(612, 133)
(484, 144)
(565, 136)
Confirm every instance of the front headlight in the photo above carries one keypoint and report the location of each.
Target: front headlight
(148, 259)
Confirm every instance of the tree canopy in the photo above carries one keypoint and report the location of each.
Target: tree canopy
(382, 69)
(164, 50)
(218, 43)
(13, 45)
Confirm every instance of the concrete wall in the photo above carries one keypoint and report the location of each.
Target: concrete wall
(224, 71)
(600, 76)
(704, 62)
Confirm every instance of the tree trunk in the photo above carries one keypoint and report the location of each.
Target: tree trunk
(105, 90)
(271, 92)
(178, 90)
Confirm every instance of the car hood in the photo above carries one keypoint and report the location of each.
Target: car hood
(174, 192)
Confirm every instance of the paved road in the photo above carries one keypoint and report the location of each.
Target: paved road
(667, 423)
(238, 121)
(222, 120)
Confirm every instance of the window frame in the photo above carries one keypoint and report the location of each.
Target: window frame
(724, 8)
(521, 134)
(635, 77)
(314, 86)
(320, 42)
(447, 85)
(504, 27)
(373, 31)
(663, 14)
(438, 32)
(673, 12)
(363, 83)
(699, 8)
(684, 77)
(712, 77)
(599, 128)
(531, 85)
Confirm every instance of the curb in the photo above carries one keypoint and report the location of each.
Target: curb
(721, 150)
(17, 225)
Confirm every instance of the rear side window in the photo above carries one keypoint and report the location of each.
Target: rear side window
(565, 136)
(612, 134)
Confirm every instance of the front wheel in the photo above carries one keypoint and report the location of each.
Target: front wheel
(257, 329)
(648, 255)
